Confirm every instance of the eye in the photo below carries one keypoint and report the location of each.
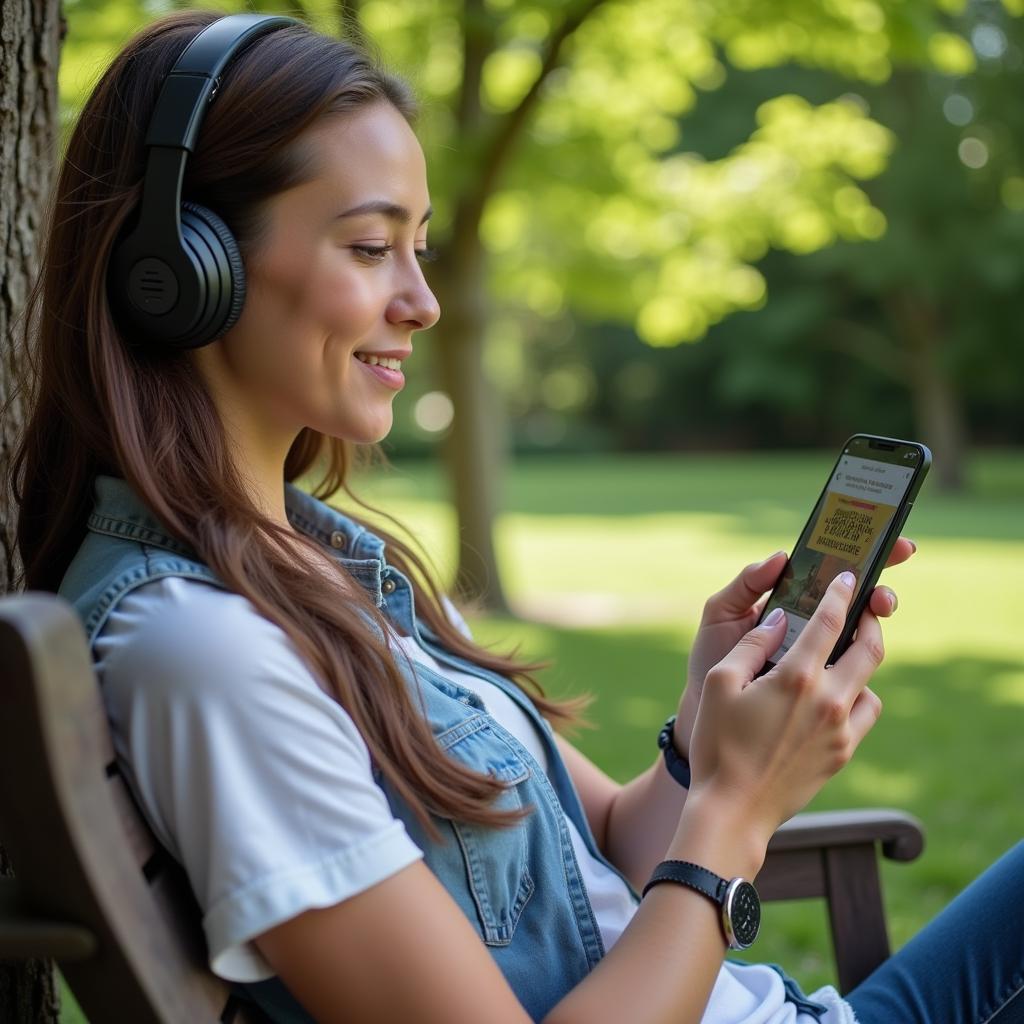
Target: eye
(376, 253)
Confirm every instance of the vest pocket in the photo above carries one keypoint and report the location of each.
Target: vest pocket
(496, 859)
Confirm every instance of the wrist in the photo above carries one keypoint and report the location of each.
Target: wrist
(720, 834)
(687, 715)
(679, 741)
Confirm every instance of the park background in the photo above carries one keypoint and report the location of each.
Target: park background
(686, 248)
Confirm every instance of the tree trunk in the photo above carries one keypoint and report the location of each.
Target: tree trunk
(476, 450)
(938, 410)
(473, 449)
(30, 36)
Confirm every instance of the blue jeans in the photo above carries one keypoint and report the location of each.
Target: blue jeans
(964, 967)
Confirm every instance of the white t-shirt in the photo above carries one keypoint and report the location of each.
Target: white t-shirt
(258, 782)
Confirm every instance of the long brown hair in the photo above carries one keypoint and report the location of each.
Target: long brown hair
(99, 404)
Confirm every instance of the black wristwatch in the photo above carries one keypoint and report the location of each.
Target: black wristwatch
(738, 902)
(678, 766)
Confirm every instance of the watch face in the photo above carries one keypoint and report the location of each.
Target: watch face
(742, 913)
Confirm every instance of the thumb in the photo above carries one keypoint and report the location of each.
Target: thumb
(747, 658)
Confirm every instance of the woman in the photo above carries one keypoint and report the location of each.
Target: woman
(376, 817)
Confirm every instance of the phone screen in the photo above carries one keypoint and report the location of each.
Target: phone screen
(847, 528)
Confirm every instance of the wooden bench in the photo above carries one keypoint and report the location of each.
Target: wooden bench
(96, 892)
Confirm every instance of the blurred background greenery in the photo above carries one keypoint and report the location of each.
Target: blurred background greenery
(687, 247)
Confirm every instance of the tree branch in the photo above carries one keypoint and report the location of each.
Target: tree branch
(477, 42)
(510, 127)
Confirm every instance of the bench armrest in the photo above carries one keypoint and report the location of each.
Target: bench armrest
(900, 834)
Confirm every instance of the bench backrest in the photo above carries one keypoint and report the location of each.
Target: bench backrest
(80, 849)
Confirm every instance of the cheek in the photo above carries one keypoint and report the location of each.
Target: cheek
(323, 286)
(298, 287)
(305, 312)
(338, 297)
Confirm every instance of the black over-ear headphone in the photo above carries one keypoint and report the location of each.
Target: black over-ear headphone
(177, 278)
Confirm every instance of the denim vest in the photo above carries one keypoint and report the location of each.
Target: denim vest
(520, 887)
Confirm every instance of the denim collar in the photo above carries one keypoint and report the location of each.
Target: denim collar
(321, 522)
(118, 511)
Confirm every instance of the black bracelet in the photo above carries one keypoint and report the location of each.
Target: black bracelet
(678, 766)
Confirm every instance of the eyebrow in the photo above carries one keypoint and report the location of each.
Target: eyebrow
(390, 210)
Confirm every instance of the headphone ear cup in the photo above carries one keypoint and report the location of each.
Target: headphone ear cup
(219, 261)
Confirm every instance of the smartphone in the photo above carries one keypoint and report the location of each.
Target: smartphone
(863, 506)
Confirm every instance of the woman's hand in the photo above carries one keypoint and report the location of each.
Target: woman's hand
(734, 610)
(765, 745)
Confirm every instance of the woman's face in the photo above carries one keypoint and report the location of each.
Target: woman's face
(333, 285)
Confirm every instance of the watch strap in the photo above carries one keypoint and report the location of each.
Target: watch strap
(678, 766)
(683, 872)
(739, 907)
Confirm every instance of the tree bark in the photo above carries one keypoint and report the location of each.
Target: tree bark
(30, 37)
(30, 34)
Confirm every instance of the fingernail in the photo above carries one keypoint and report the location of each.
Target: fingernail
(847, 579)
(773, 618)
(912, 543)
(893, 600)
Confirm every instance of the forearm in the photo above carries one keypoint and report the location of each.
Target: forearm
(664, 965)
(642, 821)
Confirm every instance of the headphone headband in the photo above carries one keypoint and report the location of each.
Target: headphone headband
(177, 277)
(193, 80)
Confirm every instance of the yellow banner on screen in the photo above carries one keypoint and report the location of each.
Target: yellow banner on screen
(849, 526)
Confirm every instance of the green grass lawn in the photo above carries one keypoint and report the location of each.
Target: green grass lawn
(608, 561)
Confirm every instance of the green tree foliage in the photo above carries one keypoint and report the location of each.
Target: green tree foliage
(912, 333)
(944, 283)
(601, 204)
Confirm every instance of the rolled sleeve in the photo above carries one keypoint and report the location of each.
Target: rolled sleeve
(255, 779)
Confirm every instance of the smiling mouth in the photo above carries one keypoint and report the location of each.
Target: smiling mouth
(388, 364)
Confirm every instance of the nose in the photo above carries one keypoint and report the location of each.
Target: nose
(415, 304)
